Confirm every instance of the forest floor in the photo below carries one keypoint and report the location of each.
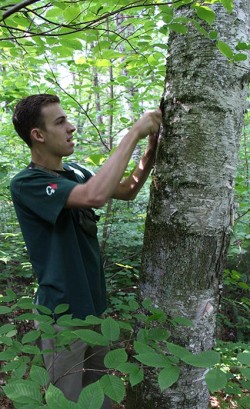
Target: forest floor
(219, 401)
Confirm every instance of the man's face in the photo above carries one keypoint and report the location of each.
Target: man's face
(57, 131)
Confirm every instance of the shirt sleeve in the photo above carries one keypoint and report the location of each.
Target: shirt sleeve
(43, 194)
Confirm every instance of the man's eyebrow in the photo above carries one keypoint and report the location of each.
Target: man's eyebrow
(60, 117)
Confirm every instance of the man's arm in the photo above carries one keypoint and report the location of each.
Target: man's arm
(102, 186)
(129, 187)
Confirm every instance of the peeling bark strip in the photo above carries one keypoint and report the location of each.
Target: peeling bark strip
(190, 211)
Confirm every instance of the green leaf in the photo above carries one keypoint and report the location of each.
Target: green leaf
(153, 359)
(91, 337)
(178, 28)
(168, 376)
(110, 329)
(5, 310)
(39, 375)
(225, 49)
(242, 47)
(205, 13)
(56, 399)
(205, 359)
(22, 391)
(113, 387)
(135, 373)
(228, 4)
(241, 57)
(185, 322)
(177, 350)
(4, 329)
(213, 35)
(7, 355)
(60, 309)
(158, 334)
(216, 379)
(244, 357)
(91, 397)
(116, 357)
(31, 349)
(30, 336)
(245, 372)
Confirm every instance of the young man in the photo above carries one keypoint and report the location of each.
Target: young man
(54, 202)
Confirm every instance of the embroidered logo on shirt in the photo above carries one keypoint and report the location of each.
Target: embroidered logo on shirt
(51, 188)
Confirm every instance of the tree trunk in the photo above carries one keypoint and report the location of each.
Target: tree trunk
(191, 204)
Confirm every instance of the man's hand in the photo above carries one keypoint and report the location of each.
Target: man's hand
(148, 124)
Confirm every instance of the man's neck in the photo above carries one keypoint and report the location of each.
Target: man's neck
(48, 163)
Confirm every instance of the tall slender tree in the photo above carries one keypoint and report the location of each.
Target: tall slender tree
(190, 213)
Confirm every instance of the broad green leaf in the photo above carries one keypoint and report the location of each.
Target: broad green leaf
(56, 399)
(134, 371)
(92, 320)
(7, 355)
(116, 357)
(153, 359)
(216, 379)
(178, 28)
(30, 336)
(91, 397)
(65, 320)
(244, 402)
(11, 294)
(242, 47)
(177, 350)
(225, 49)
(4, 329)
(241, 57)
(168, 376)
(26, 303)
(102, 63)
(205, 13)
(72, 12)
(31, 349)
(73, 44)
(60, 309)
(110, 329)
(245, 372)
(228, 4)
(6, 339)
(142, 348)
(213, 35)
(39, 375)
(205, 359)
(22, 391)
(96, 159)
(47, 328)
(244, 357)
(91, 337)
(158, 334)
(185, 322)
(113, 387)
(5, 310)
(43, 309)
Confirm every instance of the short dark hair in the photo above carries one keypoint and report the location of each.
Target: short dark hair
(28, 114)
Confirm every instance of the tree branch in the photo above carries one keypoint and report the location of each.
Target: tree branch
(17, 7)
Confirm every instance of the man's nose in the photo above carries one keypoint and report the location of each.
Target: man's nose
(71, 127)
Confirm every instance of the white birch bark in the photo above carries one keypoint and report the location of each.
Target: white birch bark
(191, 204)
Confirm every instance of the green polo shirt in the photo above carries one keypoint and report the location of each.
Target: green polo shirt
(65, 259)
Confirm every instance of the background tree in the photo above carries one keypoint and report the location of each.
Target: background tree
(191, 208)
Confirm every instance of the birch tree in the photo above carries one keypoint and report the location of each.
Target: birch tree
(190, 214)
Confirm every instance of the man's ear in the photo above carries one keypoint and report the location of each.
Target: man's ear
(36, 135)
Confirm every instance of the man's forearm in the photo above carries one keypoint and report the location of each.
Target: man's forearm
(129, 188)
